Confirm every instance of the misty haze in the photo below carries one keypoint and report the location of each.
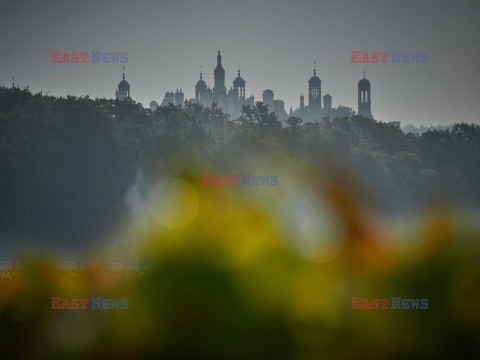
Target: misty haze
(239, 180)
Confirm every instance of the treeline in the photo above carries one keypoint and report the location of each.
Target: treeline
(66, 164)
(419, 130)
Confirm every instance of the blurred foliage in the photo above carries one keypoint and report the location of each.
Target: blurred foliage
(231, 286)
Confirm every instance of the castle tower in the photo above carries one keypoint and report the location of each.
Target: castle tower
(327, 102)
(364, 98)
(239, 87)
(219, 75)
(123, 88)
(315, 90)
(267, 97)
(302, 101)
(200, 89)
(179, 97)
(168, 99)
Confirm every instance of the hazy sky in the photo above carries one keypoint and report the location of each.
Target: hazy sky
(276, 43)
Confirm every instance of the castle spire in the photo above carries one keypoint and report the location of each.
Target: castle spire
(315, 90)
(200, 72)
(219, 76)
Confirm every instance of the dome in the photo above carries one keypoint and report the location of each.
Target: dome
(239, 82)
(201, 85)
(123, 85)
(364, 83)
(315, 81)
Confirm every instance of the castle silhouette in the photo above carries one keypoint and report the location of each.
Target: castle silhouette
(231, 101)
